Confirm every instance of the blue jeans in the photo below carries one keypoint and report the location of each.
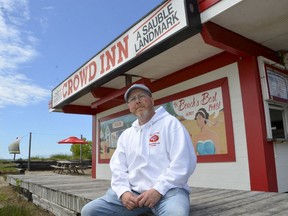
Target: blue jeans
(176, 202)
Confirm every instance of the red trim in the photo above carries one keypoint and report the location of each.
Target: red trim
(230, 156)
(76, 109)
(94, 149)
(260, 151)
(205, 4)
(114, 98)
(102, 92)
(231, 42)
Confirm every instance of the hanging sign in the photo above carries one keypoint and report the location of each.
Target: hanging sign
(163, 22)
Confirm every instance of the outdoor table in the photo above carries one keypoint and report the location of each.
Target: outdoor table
(62, 166)
(69, 167)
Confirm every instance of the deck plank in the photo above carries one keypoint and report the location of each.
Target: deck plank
(70, 193)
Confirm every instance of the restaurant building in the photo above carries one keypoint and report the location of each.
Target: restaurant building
(224, 58)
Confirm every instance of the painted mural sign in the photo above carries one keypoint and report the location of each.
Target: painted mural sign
(163, 22)
(110, 130)
(202, 114)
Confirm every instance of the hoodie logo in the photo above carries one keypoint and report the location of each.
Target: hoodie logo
(154, 139)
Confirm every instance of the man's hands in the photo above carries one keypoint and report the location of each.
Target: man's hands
(148, 199)
(129, 200)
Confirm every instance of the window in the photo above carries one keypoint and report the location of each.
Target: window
(277, 118)
(274, 84)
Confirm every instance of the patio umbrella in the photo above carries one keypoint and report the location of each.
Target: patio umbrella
(74, 140)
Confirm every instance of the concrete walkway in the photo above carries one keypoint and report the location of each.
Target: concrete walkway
(67, 194)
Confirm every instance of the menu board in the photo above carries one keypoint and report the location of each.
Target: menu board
(278, 84)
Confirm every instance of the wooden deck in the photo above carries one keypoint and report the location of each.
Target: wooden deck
(67, 194)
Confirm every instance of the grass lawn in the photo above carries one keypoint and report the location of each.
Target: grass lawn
(11, 203)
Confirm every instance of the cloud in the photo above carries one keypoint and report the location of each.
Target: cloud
(17, 46)
(48, 8)
(17, 89)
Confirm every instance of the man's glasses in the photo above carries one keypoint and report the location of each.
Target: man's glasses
(139, 97)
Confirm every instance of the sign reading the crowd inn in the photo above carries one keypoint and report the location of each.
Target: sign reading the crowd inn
(160, 24)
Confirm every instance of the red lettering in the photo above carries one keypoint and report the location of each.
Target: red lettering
(64, 90)
(83, 76)
(76, 82)
(214, 106)
(92, 70)
(123, 50)
(70, 86)
(79, 79)
(102, 64)
(206, 98)
(110, 58)
(183, 105)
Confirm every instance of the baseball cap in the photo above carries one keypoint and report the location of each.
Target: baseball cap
(137, 86)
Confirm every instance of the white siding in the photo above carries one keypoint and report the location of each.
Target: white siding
(227, 175)
(281, 160)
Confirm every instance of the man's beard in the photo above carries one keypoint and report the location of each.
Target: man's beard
(142, 114)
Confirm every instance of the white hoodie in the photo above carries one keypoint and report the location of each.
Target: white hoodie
(157, 155)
